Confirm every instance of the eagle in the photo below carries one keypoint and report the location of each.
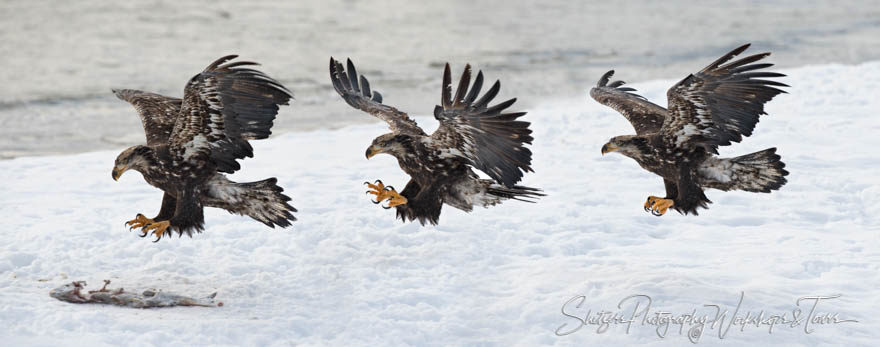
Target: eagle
(192, 142)
(472, 135)
(714, 107)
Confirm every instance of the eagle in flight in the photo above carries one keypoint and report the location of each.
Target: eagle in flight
(714, 107)
(192, 142)
(472, 134)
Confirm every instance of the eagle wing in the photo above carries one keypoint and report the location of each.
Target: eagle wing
(645, 116)
(358, 94)
(486, 138)
(721, 103)
(223, 107)
(158, 113)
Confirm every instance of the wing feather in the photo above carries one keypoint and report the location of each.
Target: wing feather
(158, 113)
(645, 116)
(722, 103)
(463, 85)
(223, 107)
(488, 139)
(360, 96)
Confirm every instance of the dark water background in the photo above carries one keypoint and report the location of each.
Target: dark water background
(60, 58)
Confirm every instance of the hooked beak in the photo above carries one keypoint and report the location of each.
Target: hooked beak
(117, 172)
(608, 148)
(373, 150)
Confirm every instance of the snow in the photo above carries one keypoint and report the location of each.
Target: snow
(347, 273)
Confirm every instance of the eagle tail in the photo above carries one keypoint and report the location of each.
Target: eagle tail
(521, 193)
(262, 201)
(759, 172)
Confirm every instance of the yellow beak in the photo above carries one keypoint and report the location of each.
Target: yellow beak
(117, 172)
(373, 150)
(608, 148)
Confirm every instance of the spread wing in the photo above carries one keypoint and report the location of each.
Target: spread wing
(158, 113)
(721, 103)
(645, 116)
(223, 107)
(357, 93)
(488, 139)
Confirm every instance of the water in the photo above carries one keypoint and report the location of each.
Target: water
(60, 59)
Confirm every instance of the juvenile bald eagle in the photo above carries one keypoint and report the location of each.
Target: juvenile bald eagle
(193, 141)
(472, 134)
(714, 107)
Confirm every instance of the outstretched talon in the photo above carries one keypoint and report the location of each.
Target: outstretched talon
(157, 228)
(378, 189)
(139, 221)
(383, 192)
(394, 198)
(658, 206)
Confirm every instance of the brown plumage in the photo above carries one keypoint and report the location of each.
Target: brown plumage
(472, 134)
(714, 107)
(192, 141)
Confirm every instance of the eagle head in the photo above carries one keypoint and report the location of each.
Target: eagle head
(136, 157)
(632, 146)
(391, 143)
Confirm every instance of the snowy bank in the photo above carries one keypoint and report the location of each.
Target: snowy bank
(347, 273)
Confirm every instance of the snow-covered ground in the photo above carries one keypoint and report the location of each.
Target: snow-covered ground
(347, 273)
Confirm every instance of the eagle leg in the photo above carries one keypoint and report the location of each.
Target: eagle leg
(157, 228)
(658, 206)
(139, 221)
(383, 192)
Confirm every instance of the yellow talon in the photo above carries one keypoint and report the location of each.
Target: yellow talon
(378, 189)
(139, 221)
(383, 192)
(658, 206)
(395, 198)
(158, 229)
